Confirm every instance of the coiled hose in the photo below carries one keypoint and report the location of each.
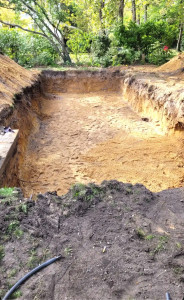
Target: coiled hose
(28, 275)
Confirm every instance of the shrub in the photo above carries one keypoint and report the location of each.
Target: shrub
(100, 45)
(26, 49)
(157, 55)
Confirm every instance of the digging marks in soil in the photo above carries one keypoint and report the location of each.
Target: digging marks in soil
(119, 242)
(93, 137)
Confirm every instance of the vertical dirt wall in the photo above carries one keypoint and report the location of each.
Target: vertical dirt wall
(159, 102)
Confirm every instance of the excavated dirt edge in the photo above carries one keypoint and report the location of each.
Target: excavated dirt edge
(23, 116)
(155, 98)
(147, 94)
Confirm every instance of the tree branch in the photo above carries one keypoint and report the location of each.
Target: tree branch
(25, 29)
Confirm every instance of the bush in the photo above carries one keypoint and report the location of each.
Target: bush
(123, 55)
(157, 55)
(79, 42)
(26, 49)
(141, 38)
(100, 45)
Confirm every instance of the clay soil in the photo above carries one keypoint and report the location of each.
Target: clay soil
(92, 137)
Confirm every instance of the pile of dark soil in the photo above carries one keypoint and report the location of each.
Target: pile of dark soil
(119, 241)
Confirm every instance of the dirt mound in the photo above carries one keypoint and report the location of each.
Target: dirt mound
(13, 78)
(174, 64)
(119, 241)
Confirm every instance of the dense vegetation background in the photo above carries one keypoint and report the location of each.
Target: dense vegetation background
(91, 32)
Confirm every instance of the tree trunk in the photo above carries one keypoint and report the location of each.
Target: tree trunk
(145, 13)
(133, 11)
(138, 19)
(102, 5)
(65, 54)
(121, 9)
(178, 47)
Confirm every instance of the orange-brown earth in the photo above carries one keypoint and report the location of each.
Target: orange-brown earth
(88, 137)
(118, 241)
(97, 136)
(13, 78)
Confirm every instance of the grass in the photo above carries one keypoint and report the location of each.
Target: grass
(2, 252)
(140, 233)
(6, 192)
(149, 237)
(13, 226)
(84, 192)
(68, 251)
(13, 229)
(161, 244)
(12, 273)
(16, 295)
(33, 260)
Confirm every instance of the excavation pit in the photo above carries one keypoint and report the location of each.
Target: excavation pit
(118, 240)
(80, 127)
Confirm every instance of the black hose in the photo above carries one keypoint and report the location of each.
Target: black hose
(23, 279)
(168, 296)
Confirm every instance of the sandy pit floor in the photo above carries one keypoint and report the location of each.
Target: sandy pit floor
(94, 137)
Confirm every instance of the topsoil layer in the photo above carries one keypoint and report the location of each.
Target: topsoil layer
(118, 241)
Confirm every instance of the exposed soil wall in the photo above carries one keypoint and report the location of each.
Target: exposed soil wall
(151, 96)
(13, 79)
(80, 81)
(147, 94)
(73, 134)
(23, 116)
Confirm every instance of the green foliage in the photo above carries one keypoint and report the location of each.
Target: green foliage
(157, 55)
(33, 260)
(161, 244)
(16, 294)
(27, 49)
(100, 45)
(126, 44)
(140, 233)
(85, 193)
(111, 42)
(6, 192)
(142, 37)
(13, 226)
(68, 251)
(2, 252)
(36, 51)
(149, 237)
(14, 229)
(79, 42)
(9, 43)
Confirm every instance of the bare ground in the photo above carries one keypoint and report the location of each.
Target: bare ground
(94, 137)
(119, 241)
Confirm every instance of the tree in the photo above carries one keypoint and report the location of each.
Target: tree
(48, 18)
(145, 13)
(181, 21)
(121, 9)
(133, 11)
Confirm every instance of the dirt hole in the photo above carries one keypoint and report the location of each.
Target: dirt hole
(79, 128)
(120, 241)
